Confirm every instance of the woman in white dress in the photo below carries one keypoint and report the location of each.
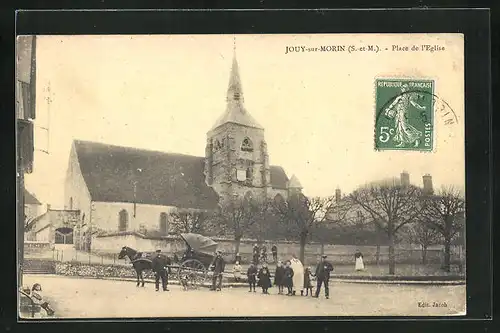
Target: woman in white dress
(359, 266)
(298, 275)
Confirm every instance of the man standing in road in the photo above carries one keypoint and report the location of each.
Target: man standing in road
(160, 268)
(323, 276)
(217, 267)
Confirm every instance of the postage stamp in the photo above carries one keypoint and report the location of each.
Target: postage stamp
(404, 114)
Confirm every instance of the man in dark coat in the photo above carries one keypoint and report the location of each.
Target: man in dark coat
(288, 278)
(279, 277)
(252, 274)
(323, 276)
(217, 266)
(160, 268)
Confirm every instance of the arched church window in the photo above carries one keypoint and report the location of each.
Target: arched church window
(247, 145)
(122, 220)
(249, 173)
(163, 223)
(71, 203)
(278, 199)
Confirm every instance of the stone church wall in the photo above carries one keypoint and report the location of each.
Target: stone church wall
(105, 215)
(76, 194)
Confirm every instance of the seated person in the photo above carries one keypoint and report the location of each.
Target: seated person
(37, 298)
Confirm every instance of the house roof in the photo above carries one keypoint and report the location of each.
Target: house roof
(30, 199)
(166, 179)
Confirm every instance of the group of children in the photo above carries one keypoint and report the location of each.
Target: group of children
(283, 278)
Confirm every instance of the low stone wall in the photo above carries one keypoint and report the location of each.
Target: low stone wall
(94, 270)
(35, 245)
(109, 271)
(337, 254)
(38, 266)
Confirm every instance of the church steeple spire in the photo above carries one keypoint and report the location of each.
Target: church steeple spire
(234, 90)
(235, 109)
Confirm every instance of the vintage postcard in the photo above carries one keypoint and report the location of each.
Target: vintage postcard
(241, 175)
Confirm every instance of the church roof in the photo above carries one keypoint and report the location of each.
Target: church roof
(166, 179)
(30, 199)
(279, 178)
(235, 110)
(161, 178)
(294, 182)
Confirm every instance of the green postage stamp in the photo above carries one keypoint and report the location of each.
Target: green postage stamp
(404, 114)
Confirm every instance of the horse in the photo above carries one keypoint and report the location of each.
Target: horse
(140, 261)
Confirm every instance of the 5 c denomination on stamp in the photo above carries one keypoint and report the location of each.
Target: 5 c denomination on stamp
(404, 114)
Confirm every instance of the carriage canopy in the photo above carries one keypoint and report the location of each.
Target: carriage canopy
(199, 243)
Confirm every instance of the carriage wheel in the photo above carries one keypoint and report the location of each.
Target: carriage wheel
(194, 270)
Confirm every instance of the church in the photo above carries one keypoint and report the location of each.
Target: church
(123, 189)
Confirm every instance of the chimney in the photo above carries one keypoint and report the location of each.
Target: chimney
(405, 178)
(338, 195)
(427, 180)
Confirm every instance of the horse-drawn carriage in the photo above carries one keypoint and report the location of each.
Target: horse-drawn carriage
(196, 260)
(193, 266)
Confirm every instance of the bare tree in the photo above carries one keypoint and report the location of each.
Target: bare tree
(445, 212)
(391, 206)
(240, 217)
(423, 234)
(301, 215)
(265, 222)
(188, 220)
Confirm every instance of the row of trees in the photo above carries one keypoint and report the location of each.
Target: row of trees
(408, 212)
(399, 212)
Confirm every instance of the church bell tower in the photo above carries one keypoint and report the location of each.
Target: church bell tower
(236, 157)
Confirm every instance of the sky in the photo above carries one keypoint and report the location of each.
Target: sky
(164, 93)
